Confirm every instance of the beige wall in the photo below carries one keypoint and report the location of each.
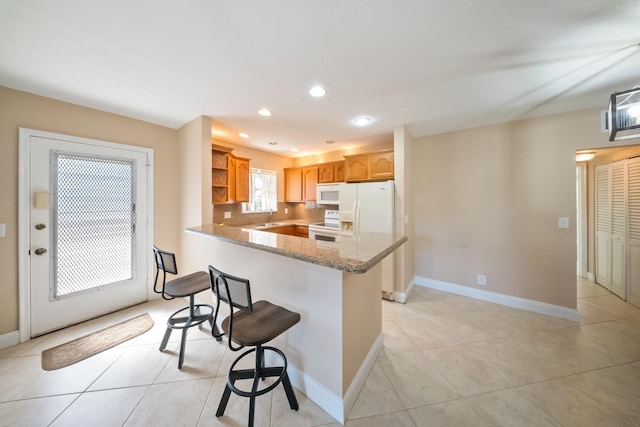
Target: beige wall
(487, 201)
(334, 156)
(20, 109)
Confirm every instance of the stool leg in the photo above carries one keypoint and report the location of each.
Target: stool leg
(216, 331)
(288, 389)
(223, 402)
(183, 344)
(165, 339)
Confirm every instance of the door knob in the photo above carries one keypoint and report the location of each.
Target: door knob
(41, 251)
(40, 226)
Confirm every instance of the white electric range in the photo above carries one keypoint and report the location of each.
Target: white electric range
(329, 230)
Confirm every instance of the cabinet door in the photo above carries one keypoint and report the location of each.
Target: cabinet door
(357, 168)
(634, 230)
(231, 178)
(603, 226)
(618, 193)
(293, 185)
(381, 165)
(310, 181)
(339, 170)
(242, 180)
(326, 173)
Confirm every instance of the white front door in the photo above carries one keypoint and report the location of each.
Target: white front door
(87, 230)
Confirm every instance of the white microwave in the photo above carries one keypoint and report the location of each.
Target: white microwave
(328, 194)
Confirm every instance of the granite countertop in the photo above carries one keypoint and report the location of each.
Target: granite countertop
(350, 254)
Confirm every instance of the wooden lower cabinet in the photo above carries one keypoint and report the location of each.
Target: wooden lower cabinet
(291, 230)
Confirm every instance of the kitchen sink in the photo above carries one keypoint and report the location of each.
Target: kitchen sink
(269, 224)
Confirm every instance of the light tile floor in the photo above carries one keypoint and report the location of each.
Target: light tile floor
(447, 361)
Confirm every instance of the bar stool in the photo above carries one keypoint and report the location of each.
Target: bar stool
(186, 286)
(252, 325)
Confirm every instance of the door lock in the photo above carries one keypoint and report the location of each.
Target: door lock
(40, 251)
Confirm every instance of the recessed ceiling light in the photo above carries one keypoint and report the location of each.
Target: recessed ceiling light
(294, 149)
(317, 91)
(264, 112)
(362, 121)
(243, 135)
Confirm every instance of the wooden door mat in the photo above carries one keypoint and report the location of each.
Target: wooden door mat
(81, 348)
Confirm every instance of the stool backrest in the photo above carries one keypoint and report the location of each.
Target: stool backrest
(232, 290)
(165, 262)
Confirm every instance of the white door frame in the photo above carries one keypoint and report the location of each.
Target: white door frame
(581, 191)
(24, 206)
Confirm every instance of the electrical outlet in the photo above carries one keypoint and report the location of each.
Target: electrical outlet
(227, 215)
(482, 280)
(286, 210)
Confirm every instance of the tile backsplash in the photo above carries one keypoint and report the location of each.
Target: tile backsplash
(301, 211)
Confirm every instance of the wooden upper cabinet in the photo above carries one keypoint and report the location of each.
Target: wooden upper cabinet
(331, 172)
(339, 170)
(310, 181)
(229, 176)
(242, 180)
(293, 185)
(369, 167)
(381, 165)
(300, 184)
(357, 168)
(231, 171)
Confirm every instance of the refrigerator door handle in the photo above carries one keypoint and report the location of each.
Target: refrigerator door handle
(356, 218)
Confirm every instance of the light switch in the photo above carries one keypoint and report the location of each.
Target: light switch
(1, 230)
(563, 222)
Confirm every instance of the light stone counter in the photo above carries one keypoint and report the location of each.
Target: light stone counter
(350, 254)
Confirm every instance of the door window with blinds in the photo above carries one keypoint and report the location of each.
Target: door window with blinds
(93, 222)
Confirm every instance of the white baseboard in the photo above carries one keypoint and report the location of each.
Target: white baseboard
(335, 406)
(502, 299)
(9, 339)
(361, 376)
(591, 277)
(403, 297)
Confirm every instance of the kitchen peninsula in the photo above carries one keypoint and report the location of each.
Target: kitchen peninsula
(336, 288)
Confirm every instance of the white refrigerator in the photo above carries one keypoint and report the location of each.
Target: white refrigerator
(369, 207)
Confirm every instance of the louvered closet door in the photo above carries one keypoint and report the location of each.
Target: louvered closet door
(603, 227)
(633, 188)
(618, 227)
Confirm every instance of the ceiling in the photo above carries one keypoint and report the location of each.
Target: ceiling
(431, 66)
